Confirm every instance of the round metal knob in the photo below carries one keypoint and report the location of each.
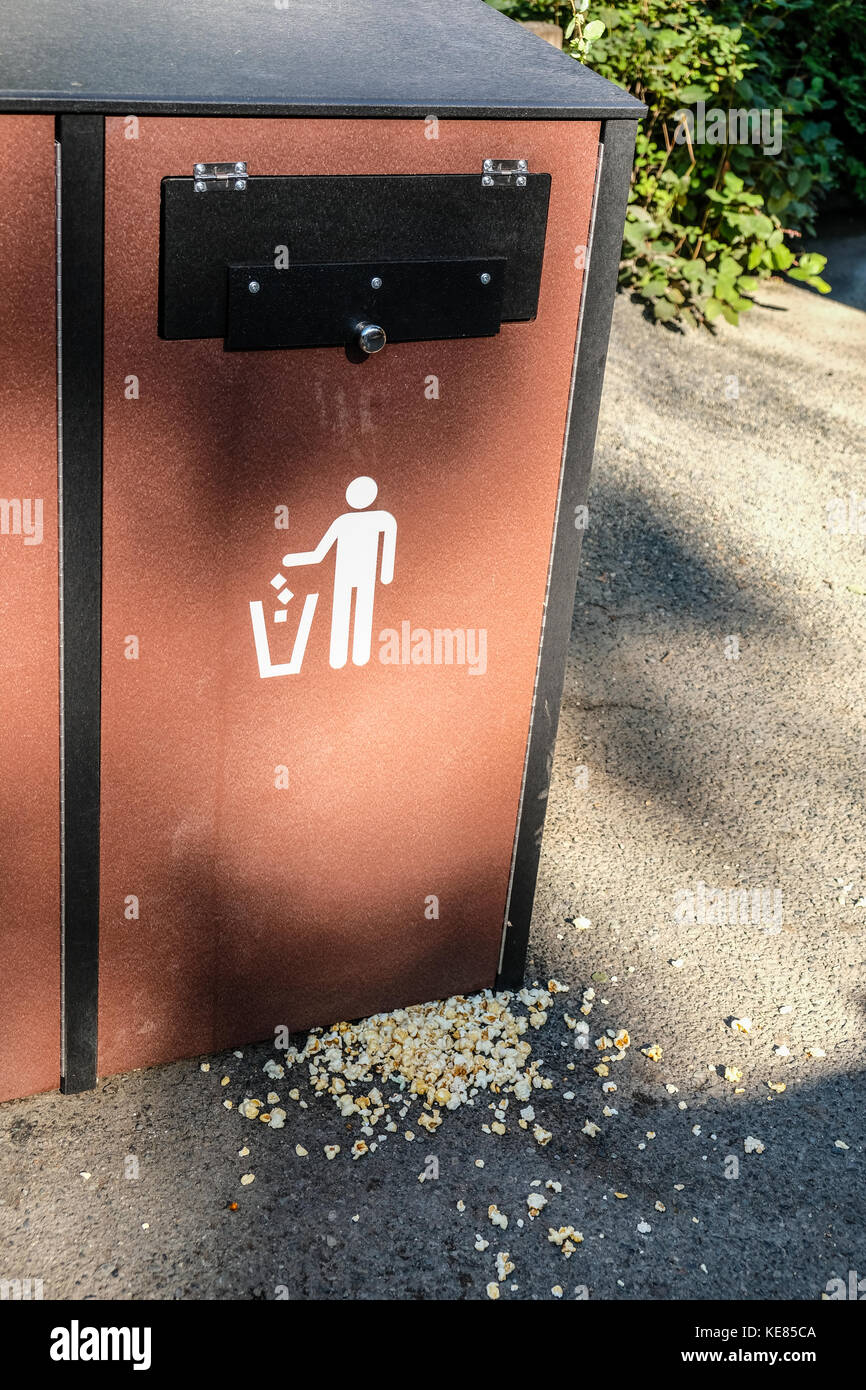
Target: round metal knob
(371, 338)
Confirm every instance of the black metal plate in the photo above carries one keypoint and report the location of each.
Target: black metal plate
(342, 219)
(322, 305)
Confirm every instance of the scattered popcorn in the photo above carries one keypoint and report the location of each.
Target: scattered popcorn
(481, 1243)
(553, 1186)
(777, 1086)
(300, 1151)
(679, 1186)
(681, 1105)
(557, 1291)
(696, 1129)
(602, 1070)
(609, 1112)
(331, 1151)
(479, 1163)
(228, 1104)
(622, 1040)
(608, 1087)
(840, 1144)
(582, 923)
(273, 1098)
(650, 1134)
(782, 1051)
(644, 1228)
(461, 1205)
(733, 1074)
(621, 1195)
(654, 1053)
(753, 1145)
(677, 964)
(359, 1148)
(497, 1127)
(275, 1070)
(247, 1178)
(741, 1025)
(535, 1201)
(541, 1136)
(504, 1265)
(591, 1129)
(250, 1109)
(243, 1153)
(815, 1052)
(660, 1206)
(205, 1066)
(277, 1119)
(671, 1090)
(225, 1081)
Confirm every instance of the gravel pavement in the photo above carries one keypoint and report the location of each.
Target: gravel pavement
(712, 734)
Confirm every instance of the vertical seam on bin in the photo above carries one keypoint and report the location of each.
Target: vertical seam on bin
(506, 923)
(58, 301)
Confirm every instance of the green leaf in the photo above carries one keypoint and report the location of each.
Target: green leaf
(593, 30)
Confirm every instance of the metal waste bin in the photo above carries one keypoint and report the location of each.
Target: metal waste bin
(334, 285)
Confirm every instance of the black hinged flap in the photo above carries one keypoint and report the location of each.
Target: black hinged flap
(340, 220)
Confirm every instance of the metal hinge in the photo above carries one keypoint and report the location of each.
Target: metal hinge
(496, 172)
(230, 177)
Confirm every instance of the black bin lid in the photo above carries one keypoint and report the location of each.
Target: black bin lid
(450, 58)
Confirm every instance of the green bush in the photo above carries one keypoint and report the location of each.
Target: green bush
(708, 220)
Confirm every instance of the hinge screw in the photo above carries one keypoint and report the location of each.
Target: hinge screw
(376, 282)
(521, 181)
(240, 184)
(254, 287)
(200, 186)
(487, 181)
(240, 168)
(485, 278)
(199, 168)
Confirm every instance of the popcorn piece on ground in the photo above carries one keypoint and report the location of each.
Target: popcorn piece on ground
(557, 1291)
(591, 1129)
(840, 1144)
(205, 1066)
(777, 1086)
(644, 1228)
(277, 1118)
(493, 1291)
(479, 1163)
(247, 1178)
(654, 1053)
(300, 1151)
(273, 1098)
(504, 1265)
(461, 1205)
(553, 1186)
(535, 1201)
(275, 1070)
(815, 1052)
(481, 1243)
(566, 1238)
(622, 1040)
(753, 1145)
(671, 1090)
(331, 1151)
(497, 1217)
(660, 1206)
(541, 1136)
(741, 1025)
(359, 1148)
(250, 1109)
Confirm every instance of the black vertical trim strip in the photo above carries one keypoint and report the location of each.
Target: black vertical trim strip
(82, 182)
(617, 155)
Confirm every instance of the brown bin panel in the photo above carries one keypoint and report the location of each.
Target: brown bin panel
(29, 667)
(260, 905)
